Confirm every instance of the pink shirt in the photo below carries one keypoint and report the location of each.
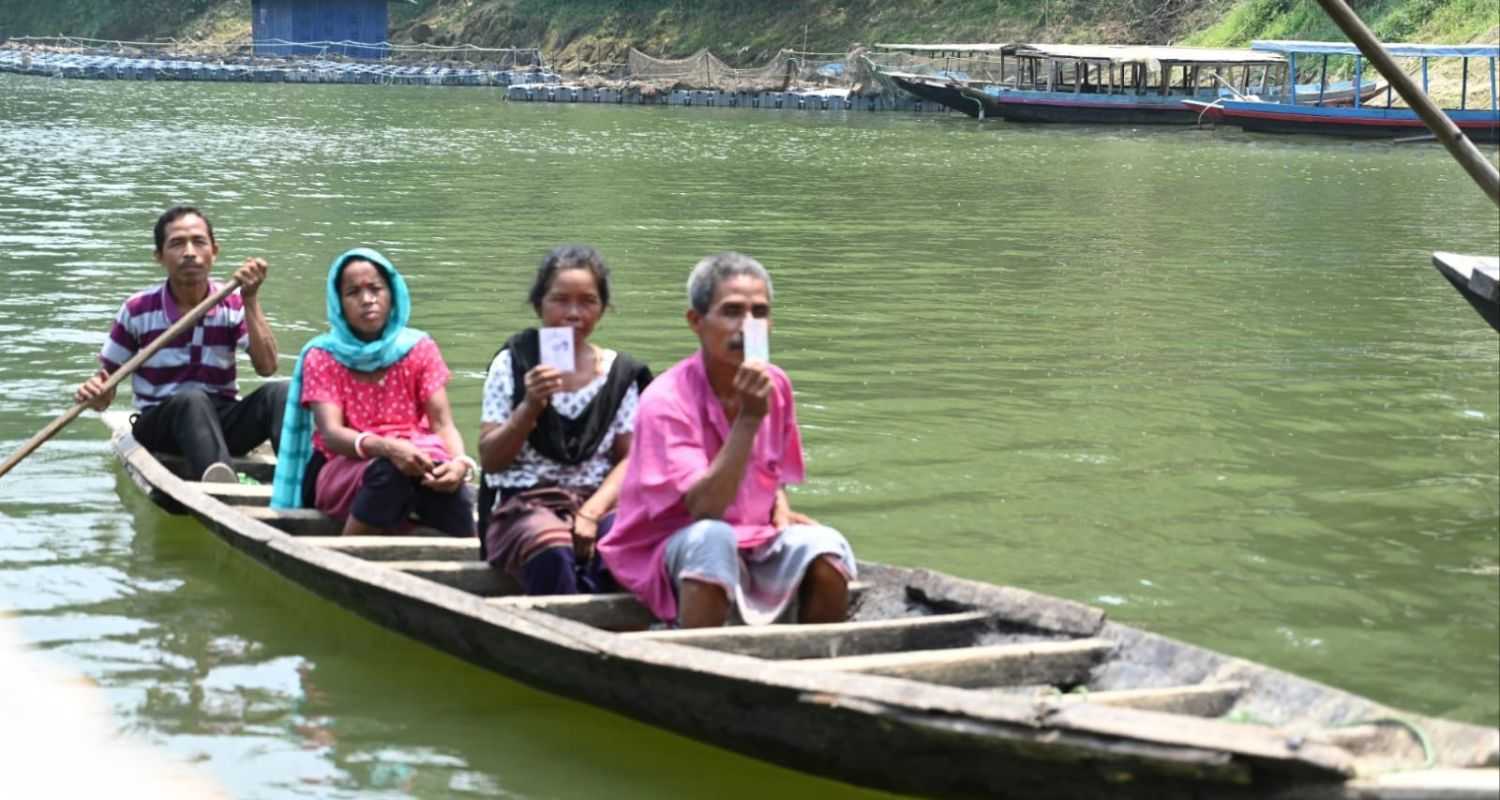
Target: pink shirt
(396, 406)
(679, 428)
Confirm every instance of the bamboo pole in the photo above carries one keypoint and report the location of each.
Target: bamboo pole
(182, 325)
(1479, 168)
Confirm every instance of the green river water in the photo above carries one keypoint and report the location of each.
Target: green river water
(1208, 381)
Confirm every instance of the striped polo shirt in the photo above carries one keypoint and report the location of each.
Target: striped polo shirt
(202, 358)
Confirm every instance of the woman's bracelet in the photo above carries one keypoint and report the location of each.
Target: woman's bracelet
(359, 444)
(473, 465)
(582, 515)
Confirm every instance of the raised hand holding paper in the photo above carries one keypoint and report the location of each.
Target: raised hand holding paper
(757, 335)
(557, 347)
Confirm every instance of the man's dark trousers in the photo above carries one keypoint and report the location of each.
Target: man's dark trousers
(207, 428)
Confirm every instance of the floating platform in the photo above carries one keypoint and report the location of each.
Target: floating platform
(802, 100)
(110, 67)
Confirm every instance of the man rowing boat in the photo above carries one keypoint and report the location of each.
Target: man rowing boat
(187, 394)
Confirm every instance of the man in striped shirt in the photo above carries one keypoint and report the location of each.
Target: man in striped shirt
(187, 394)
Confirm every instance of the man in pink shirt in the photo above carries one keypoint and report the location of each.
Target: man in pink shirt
(704, 530)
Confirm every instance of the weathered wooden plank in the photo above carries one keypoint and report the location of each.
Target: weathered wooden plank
(238, 494)
(401, 548)
(1008, 604)
(1065, 663)
(260, 466)
(1208, 700)
(834, 639)
(295, 521)
(614, 612)
(310, 522)
(474, 577)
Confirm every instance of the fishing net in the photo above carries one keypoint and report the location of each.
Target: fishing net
(704, 70)
(976, 67)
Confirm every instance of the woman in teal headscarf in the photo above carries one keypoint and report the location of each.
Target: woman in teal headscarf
(374, 390)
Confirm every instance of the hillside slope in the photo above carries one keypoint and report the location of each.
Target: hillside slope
(750, 31)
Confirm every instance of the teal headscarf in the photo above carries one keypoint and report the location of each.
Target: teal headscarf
(353, 352)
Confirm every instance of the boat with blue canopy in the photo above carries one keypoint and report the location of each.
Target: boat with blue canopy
(1362, 119)
(1112, 84)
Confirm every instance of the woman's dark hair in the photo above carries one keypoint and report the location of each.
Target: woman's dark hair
(569, 256)
(338, 277)
(173, 214)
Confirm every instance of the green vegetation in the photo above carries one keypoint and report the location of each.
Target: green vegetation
(113, 19)
(1449, 21)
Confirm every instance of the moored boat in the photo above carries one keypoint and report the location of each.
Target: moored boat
(1094, 83)
(936, 685)
(1118, 84)
(1364, 120)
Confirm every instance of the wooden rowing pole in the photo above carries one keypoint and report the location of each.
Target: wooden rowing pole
(1479, 168)
(179, 327)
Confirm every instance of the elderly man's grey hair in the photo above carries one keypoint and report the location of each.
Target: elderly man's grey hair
(707, 274)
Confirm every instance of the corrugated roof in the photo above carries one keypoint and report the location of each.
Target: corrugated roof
(1404, 49)
(1124, 53)
(1149, 54)
(952, 48)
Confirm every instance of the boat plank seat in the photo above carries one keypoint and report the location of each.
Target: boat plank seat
(260, 466)
(312, 523)
(238, 494)
(295, 521)
(1204, 700)
(1065, 663)
(400, 548)
(619, 611)
(829, 640)
(474, 577)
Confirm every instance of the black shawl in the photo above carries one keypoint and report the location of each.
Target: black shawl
(566, 441)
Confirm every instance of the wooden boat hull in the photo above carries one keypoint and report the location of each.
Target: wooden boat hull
(1364, 122)
(1059, 107)
(1080, 108)
(894, 702)
(943, 93)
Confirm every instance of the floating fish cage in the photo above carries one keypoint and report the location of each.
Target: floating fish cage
(792, 99)
(106, 67)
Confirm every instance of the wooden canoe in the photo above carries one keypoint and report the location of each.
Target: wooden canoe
(936, 686)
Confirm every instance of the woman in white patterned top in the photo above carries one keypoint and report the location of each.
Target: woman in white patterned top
(553, 445)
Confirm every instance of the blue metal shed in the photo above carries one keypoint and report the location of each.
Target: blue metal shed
(290, 27)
